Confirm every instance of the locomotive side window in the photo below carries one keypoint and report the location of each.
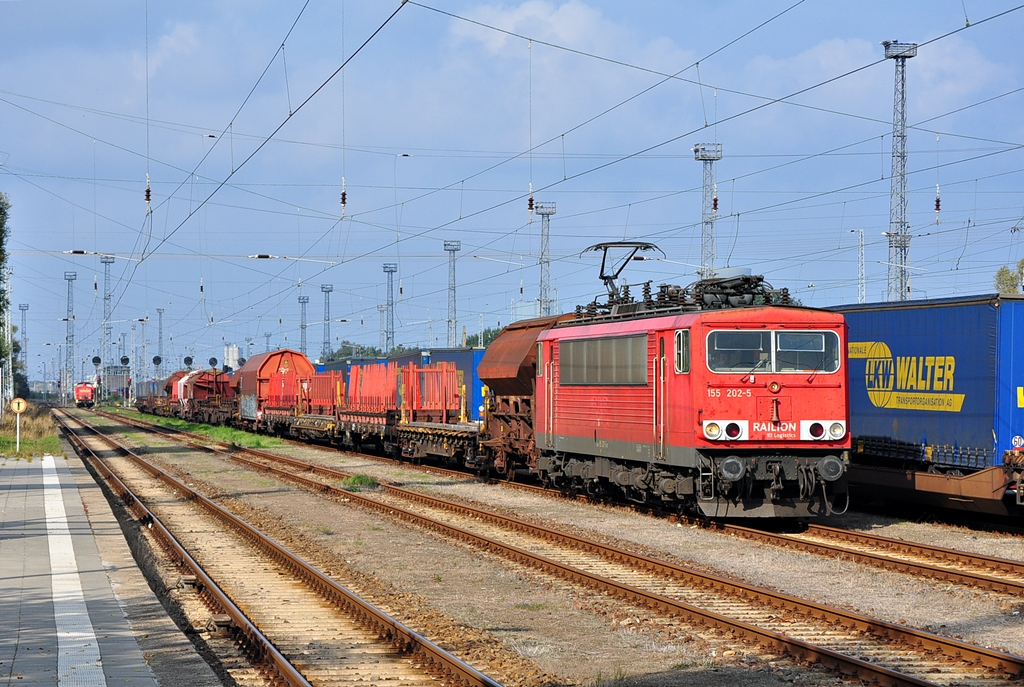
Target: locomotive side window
(540, 359)
(608, 362)
(740, 351)
(807, 351)
(682, 351)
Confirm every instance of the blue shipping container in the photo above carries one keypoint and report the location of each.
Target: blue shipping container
(467, 361)
(937, 380)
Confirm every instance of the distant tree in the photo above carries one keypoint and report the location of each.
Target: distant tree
(348, 349)
(20, 373)
(1007, 280)
(473, 340)
(5, 300)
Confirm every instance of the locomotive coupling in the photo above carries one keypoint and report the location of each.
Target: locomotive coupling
(732, 469)
(830, 468)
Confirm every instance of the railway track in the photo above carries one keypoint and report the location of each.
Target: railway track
(299, 626)
(933, 562)
(854, 645)
(936, 563)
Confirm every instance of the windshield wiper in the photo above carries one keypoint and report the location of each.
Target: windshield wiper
(751, 370)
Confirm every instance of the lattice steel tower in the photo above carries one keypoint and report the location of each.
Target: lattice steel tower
(389, 333)
(708, 153)
(452, 247)
(325, 349)
(107, 261)
(69, 360)
(23, 307)
(303, 301)
(899, 228)
(160, 342)
(545, 210)
(382, 308)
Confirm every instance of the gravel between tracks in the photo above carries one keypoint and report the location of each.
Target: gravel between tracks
(985, 618)
(586, 638)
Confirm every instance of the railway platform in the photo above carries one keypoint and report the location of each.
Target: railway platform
(74, 607)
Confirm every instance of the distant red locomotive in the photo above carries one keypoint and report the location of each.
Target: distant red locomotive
(85, 394)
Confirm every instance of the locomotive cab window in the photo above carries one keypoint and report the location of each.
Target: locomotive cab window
(740, 351)
(807, 351)
(682, 351)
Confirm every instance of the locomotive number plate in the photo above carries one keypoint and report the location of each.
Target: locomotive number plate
(729, 393)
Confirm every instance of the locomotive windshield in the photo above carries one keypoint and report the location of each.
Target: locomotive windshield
(806, 351)
(739, 351)
(749, 351)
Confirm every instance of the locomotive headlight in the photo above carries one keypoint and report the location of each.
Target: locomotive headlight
(732, 469)
(837, 430)
(712, 430)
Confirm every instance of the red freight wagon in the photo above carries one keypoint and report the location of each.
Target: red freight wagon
(205, 396)
(265, 385)
(432, 393)
(171, 387)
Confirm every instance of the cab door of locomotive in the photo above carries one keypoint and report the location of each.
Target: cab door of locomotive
(658, 383)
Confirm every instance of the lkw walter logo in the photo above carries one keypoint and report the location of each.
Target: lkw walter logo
(907, 382)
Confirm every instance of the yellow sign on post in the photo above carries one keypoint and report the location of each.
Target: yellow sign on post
(18, 406)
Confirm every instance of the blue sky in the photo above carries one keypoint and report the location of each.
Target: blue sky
(440, 126)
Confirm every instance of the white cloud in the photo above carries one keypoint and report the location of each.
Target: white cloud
(180, 40)
(776, 77)
(950, 74)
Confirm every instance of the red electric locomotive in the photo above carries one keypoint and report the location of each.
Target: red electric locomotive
(719, 398)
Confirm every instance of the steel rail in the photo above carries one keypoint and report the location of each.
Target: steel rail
(260, 649)
(877, 560)
(886, 562)
(403, 638)
(902, 546)
(923, 641)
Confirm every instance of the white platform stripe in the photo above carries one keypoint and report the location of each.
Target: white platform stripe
(78, 655)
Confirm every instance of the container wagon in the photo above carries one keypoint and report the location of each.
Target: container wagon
(937, 401)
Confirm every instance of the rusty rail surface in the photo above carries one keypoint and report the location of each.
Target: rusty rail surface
(996, 661)
(258, 647)
(980, 577)
(884, 560)
(404, 639)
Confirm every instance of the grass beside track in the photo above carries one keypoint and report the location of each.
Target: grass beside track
(39, 433)
(227, 434)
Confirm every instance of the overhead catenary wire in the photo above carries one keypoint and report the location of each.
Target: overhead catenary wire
(272, 134)
(293, 53)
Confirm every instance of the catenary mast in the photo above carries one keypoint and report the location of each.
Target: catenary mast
(899, 228)
(708, 153)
